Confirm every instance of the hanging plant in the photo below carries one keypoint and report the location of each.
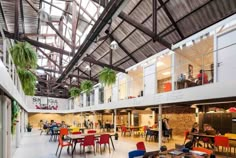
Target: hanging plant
(28, 81)
(74, 92)
(107, 77)
(24, 56)
(14, 115)
(86, 86)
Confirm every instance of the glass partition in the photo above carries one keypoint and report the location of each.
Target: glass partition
(107, 94)
(164, 76)
(193, 64)
(92, 97)
(135, 83)
(101, 95)
(122, 87)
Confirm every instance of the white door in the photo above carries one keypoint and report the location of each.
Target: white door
(115, 91)
(226, 57)
(150, 80)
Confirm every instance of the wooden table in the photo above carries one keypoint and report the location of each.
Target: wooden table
(76, 137)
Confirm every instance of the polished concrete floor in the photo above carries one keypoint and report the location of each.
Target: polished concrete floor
(34, 145)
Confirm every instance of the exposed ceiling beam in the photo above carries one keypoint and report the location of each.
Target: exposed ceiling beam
(39, 35)
(144, 29)
(84, 78)
(3, 16)
(48, 57)
(22, 16)
(57, 7)
(48, 70)
(123, 48)
(91, 60)
(84, 10)
(16, 25)
(46, 46)
(59, 34)
(106, 15)
(171, 18)
(37, 44)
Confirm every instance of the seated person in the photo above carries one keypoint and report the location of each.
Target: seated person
(155, 125)
(195, 128)
(202, 77)
(63, 124)
(209, 130)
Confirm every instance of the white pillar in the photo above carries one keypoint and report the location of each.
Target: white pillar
(173, 72)
(160, 126)
(128, 119)
(112, 117)
(132, 119)
(81, 120)
(197, 114)
(153, 117)
(115, 120)
(18, 132)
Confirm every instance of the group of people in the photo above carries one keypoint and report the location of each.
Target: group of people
(207, 129)
(48, 127)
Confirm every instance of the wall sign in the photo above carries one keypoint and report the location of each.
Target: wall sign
(47, 103)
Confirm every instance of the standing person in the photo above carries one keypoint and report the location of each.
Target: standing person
(165, 129)
(63, 124)
(88, 123)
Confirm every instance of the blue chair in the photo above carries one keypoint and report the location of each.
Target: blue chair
(136, 153)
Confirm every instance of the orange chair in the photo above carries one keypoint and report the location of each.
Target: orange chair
(223, 142)
(209, 152)
(140, 146)
(61, 143)
(186, 133)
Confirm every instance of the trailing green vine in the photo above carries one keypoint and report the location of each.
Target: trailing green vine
(15, 110)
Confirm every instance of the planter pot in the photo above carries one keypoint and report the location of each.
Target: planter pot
(29, 129)
(116, 136)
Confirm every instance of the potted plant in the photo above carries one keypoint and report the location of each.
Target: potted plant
(15, 110)
(29, 127)
(28, 81)
(107, 77)
(74, 92)
(24, 56)
(86, 86)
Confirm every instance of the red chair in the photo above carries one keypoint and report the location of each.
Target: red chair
(186, 133)
(88, 141)
(209, 152)
(61, 143)
(222, 141)
(91, 131)
(124, 130)
(140, 146)
(104, 139)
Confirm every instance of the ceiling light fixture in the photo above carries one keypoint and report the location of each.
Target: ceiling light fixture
(114, 45)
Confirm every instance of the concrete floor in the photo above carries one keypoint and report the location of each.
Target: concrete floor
(34, 145)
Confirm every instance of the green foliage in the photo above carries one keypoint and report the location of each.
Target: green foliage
(28, 81)
(15, 110)
(74, 92)
(86, 86)
(107, 77)
(24, 55)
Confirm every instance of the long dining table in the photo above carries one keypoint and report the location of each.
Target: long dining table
(74, 137)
